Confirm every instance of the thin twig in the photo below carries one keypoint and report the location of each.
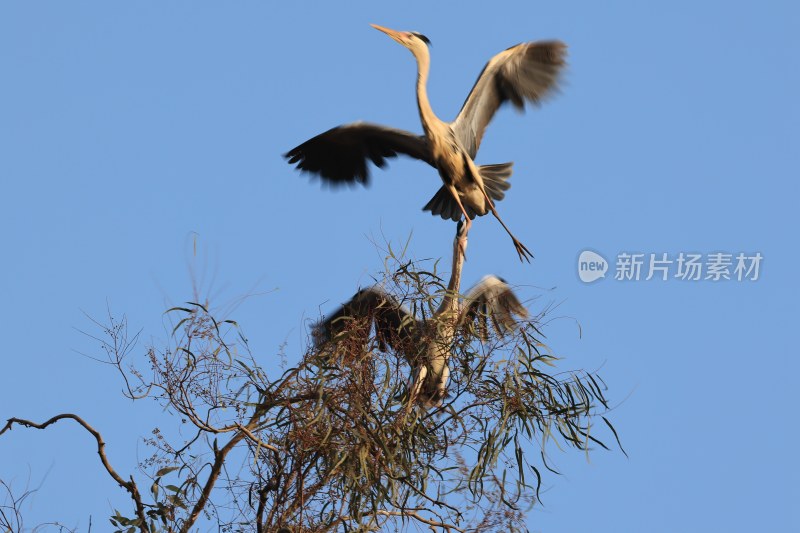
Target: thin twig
(130, 486)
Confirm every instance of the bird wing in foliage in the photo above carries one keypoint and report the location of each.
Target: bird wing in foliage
(492, 300)
(341, 155)
(527, 71)
(394, 324)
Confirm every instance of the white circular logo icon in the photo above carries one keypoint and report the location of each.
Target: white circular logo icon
(591, 266)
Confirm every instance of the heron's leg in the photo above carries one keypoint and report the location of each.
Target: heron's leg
(442, 385)
(419, 378)
(524, 253)
(416, 386)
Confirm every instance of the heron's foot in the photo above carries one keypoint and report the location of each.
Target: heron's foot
(522, 251)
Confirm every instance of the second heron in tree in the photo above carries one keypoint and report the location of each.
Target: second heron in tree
(527, 71)
(426, 344)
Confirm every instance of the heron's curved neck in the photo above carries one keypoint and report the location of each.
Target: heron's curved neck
(450, 300)
(426, 114)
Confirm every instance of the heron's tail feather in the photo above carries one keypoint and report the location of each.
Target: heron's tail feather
(445, 206)
(494, 179)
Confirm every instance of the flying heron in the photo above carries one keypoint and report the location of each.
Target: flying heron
(527, 71)
(427, 344)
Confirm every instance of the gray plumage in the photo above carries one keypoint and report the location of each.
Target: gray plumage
(426, 344)
(527, 72)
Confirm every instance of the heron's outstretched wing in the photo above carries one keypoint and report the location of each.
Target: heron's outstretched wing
(527, 71)
(394, 324)
(341, 155)
(492, 300)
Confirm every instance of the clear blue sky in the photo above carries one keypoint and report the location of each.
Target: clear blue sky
(127, 129)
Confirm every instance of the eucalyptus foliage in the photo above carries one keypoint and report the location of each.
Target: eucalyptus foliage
(332, 443)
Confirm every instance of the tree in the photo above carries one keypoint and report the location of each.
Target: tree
(332, 443)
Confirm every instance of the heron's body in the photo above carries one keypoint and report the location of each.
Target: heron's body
(426, 344)
(431, 373)
(527, 71)
(461, 176)
(458, 171)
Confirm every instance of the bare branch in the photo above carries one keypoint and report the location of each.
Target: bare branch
(130, 486)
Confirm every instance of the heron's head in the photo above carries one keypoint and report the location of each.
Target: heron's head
(461, 229)
(410, 39)
(461, 233)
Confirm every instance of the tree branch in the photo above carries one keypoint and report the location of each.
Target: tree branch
(411, 514)
(130, 486)
(216, 468)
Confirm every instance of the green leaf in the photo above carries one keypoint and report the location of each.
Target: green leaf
(166, 470)
(614, 431)
(179, 324)
(201, 306)
(184, 309)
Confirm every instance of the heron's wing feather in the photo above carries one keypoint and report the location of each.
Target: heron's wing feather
(492, 300)
(527, 71)
(394, 324)
(341, 155)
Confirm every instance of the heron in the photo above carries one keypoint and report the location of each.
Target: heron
(427, 345)
(525, 72)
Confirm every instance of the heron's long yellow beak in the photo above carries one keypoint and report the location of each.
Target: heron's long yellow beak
(396, 35)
